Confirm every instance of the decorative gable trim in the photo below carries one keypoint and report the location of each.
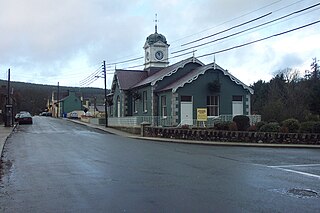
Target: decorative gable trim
(115, 82)
(237, 81)
(193, 60)
(193, 78)
(204, 69)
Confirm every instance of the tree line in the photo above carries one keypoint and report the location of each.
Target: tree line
(287, 95)
(34, 97)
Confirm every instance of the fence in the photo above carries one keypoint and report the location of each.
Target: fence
(170, 121)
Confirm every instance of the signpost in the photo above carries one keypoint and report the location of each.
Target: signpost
(202, 115)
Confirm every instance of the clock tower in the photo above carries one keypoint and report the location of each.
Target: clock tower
(156, 51)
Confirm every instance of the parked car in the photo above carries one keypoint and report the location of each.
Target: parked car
(25, 118)
(73, 115)
(46, 114)
(16, 118)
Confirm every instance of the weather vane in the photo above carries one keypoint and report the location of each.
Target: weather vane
(156, 21)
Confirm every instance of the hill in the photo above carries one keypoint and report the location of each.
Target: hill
(33, 97)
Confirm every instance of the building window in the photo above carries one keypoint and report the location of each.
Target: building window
(118, 106)
(213, 105)
(186, 98)
(135, 105)
(111, 110)
(236, 98)
(163, 106)
(144, 96)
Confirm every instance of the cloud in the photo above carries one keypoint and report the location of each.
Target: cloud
(56, 38)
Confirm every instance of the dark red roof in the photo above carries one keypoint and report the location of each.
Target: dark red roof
(128, 78)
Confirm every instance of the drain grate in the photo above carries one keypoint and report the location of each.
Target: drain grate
(303, 193)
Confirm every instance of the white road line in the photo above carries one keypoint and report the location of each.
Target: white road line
(302, 165)
(301, 173)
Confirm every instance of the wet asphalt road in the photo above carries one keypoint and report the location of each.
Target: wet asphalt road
(58, 166)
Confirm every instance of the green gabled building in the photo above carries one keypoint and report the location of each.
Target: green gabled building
(69, 103)
(174, 93)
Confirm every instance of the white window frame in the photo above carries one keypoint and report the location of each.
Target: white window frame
(164, 108)
(144, 101)
(135, 106)
(214, 105)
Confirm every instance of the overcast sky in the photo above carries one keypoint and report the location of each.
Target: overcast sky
(51, 41)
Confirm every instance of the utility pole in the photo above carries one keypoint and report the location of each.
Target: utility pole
(105, 92)
(58, 101)
(8, 104)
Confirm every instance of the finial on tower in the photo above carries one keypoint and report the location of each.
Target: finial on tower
(155, 26)
(214, 61)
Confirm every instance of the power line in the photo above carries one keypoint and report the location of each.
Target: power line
(251, 28)
(122, 62)
(262, 39)
(223, 31)
(241, 45)
(231, 19)
(92, 77)
(268, 5)
(88, 83)
(138, 58)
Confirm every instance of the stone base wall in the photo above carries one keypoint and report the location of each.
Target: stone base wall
(133, 130)
(233, 136)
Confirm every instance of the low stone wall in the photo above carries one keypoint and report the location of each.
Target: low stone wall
(133, 130)
(98, 121)
(233, 136)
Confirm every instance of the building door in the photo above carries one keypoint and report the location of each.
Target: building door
(186, 110)
(237, 105)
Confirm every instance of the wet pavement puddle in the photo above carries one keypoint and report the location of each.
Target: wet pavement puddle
(298, 192)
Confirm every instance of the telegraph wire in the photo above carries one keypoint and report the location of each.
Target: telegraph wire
(122, 62)
(231, 20)
(258, 40)
(91, 78)
(88, 80)
(241, 45)
(139, 58)
(226, 30)
(238, 18)
(248, 29)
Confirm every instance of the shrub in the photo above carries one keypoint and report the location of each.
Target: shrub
(260, 124)
(316, 127)
(252, 128)
(242, 121)
(185, 126)
(233, 126)
(284, 129)
(306, 127)
(222, 125)
(292, 124)
(270, 127)
(312, 117)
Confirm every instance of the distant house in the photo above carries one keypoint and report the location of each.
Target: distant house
(69, 102)
(173, 93)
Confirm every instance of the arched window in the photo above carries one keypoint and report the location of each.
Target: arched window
(118, 107)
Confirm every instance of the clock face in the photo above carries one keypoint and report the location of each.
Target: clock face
(159, 55)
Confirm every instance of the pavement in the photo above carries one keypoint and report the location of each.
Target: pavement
(171, 140)
(5, 132)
